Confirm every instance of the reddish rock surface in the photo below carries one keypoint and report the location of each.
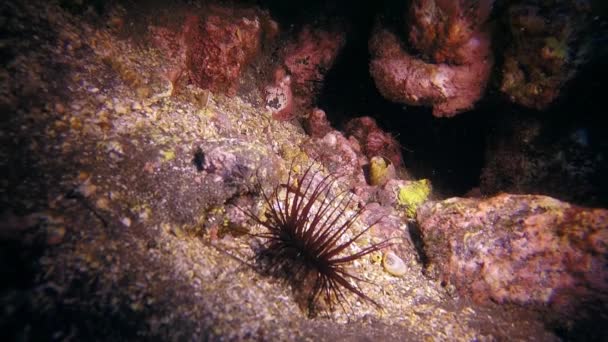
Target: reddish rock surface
(173, 44)
(316, 123)
(450, 61)
(524, 249)
(373, 140)
(304, 62)
(279, 97)
(336, 153)
(308, 58)
(222, 47)
(549, 41)
(212, 50)
(442, 30)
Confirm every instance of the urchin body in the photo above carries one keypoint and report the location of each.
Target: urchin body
(306, 241)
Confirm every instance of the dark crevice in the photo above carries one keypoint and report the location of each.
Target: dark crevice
(416, 236)
(450, 152)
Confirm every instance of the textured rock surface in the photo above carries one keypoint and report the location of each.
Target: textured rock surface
(401, 77)
(119, 209)
(212, 49)
(548, 43)
(279, 97)
(373, 140)
(454, 64)
(446, 31)
(308, 58)
(316, 124)
(335, 152)
(529, 250)
(226, 42)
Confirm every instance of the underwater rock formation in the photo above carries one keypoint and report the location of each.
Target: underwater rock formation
(299, 76)
(279, 97)
(308, 58)
(226, 42)
(524, 249)
(212, 50)
(336, 153)
(316, 123)
(524, 156)
(173, 46)
(373, 140)
(548, 43)
(450, 59)
(447, 31)
(122, 208)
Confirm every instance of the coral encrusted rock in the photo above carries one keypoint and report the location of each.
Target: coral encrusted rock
(308, 58)
(213, 49)
(227, 42)
(444, 30)
(317, 124)
(373, 140)
(524, 249)
(446, 64)
(549, 42)
(279, 98)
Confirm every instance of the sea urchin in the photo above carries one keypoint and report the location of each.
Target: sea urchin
(305, 241)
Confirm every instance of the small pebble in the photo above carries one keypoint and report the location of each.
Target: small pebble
(144, 215)
(55, 236)
(143, 92)
(126, 221)
(330, 140)
(59, 108)
(120, 108)
(87, 189)
(102, 203)
(393, 264)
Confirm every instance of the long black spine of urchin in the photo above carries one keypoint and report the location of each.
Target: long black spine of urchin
(305, 226)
